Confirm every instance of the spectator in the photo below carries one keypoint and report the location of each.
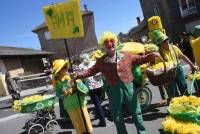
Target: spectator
(95, 84)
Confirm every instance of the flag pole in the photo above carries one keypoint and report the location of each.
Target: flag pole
(75, 84)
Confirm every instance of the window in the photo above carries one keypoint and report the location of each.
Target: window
(187, 7)
(47, 35)
(156, 10)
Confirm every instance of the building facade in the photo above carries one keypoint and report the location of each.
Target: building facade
(177, 16)
(76, 45)
(19, 62)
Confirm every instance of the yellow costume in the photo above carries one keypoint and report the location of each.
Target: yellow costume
(195, 43)
(64, 89)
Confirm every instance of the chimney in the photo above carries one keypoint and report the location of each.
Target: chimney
(85, 7)
(138, 20)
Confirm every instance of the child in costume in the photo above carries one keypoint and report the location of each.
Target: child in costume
(117, 68)
(64, 88)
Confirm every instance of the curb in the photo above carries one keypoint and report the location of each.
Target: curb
(24, 93)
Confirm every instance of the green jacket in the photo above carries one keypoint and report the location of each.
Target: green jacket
(71, 101)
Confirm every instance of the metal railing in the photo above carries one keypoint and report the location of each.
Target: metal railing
(21, 79)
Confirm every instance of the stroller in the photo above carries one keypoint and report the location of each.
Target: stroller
(44, 119)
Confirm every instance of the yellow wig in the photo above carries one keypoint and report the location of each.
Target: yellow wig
(107, 35)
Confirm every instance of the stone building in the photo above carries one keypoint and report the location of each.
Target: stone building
(176, 15)
(19, 61)
(76, 45)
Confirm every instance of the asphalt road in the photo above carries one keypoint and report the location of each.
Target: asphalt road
(13, 122)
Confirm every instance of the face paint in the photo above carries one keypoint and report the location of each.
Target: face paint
(110, 46)
(109, 43)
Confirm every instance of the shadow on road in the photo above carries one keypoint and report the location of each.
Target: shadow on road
(65, 124)
(149, 114)
(153, 113)
(25, 132)
(153, 108)
(162, 131)
(65, 132)
(6, 107)
(106, 110)
(154, 116)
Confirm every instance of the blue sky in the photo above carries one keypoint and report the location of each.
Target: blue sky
(19, 17)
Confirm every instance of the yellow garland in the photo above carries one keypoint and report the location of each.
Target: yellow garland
(189, 104)
(179, 127)
(96, 54)
(150, 48)
(160, 66)
(193, 100)
(17, 103)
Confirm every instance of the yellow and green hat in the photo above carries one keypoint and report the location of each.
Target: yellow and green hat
(159, 37)
(58, 65)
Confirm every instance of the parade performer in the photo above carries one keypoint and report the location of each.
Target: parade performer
(195, 43)
(155, 23)
(170, 52)
(185, 46)
(95, 84)
(64, 88)
(117, 68)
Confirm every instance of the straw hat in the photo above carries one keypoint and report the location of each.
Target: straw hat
(58, 65)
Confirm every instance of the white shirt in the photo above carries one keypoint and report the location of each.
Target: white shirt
(92, 82)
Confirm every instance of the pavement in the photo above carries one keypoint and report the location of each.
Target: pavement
(26, 92)
(153, 116)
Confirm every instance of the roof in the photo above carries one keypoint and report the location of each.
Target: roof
(43, 25)
(138, 28)
(16, 51)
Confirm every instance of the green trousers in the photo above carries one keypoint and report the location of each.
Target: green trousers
(179, 82)
(122, 95)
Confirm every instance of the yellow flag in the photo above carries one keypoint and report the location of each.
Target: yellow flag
(64, 20)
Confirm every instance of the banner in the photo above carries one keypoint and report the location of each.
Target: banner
(64, 20)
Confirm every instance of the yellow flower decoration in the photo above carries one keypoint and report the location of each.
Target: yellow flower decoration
(175, 126)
